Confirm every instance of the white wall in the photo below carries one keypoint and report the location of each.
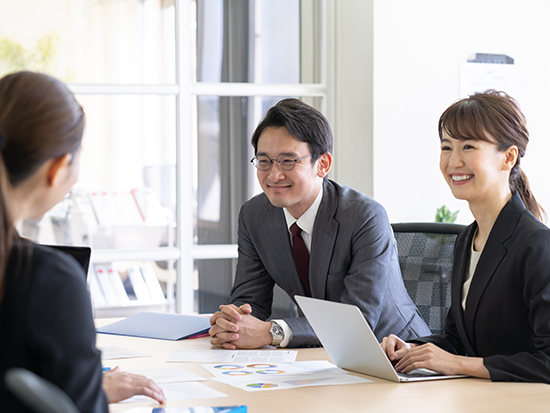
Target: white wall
(353, 94)
(418, 47)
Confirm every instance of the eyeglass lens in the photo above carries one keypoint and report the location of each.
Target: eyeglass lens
(263, 163)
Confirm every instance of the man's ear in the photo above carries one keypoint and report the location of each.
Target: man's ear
(510, 158)
(323, 165)
(56, 166)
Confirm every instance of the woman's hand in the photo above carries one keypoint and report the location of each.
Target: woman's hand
(395, 348)
(120, 385)
(431, 357)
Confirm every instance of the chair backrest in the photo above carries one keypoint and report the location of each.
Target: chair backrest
(426, 259)
(37, 393)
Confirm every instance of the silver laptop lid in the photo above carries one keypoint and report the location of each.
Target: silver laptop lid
(347, 337)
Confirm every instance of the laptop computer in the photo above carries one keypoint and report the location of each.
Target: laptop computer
(80, 253)
(351, 343)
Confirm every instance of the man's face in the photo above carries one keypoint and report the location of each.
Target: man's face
(296, 189)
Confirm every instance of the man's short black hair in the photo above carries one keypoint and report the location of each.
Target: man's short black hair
(302, 122)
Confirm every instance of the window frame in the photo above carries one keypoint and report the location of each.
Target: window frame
(185, 91)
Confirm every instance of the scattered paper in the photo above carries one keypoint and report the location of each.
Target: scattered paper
(233, 356)
(110, 353)
(182, 391)
(174, 375)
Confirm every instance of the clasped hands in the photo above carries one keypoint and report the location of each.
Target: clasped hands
(235, 327)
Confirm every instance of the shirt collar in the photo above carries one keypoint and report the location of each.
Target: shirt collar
(307, 220)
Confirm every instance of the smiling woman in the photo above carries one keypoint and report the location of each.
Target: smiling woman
(498, 326)
(493, 123)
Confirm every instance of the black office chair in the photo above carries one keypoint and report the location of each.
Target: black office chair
(37, 393)
(426, 259)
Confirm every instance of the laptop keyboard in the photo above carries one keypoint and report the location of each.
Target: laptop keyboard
(419, 373)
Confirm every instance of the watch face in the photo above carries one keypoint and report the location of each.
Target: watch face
(277, 330)
(277, 333)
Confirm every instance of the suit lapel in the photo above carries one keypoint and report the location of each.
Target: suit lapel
(325, 230)
(490, 259)
(462, 267)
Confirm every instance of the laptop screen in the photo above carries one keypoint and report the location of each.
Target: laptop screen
(81, 254)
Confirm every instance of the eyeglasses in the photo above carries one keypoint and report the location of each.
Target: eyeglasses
(285, 162)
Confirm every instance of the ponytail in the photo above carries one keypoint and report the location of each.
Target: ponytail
(6, 223)
(520, 184)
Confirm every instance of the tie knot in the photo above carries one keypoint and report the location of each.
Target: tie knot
(295, 229)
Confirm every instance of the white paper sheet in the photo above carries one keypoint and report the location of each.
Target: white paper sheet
(478, 77)
(174, 375)
(110, 353)
(232, 371)
(182, 391)
(235, 356)
(269, 376)
(291, 381)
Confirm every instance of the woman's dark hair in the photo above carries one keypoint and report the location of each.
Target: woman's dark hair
(40, 119)
(494, 117)
(301, 121)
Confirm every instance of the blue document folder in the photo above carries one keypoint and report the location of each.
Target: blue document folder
(201, 409)
(161, 326)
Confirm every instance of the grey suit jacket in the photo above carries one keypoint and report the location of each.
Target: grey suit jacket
(353, 259)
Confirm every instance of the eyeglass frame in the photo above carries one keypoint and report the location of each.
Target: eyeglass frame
(271, 161)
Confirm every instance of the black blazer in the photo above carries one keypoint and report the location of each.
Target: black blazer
(507, 316)
(46, 326)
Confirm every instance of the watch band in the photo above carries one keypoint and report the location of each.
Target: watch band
(277, 334)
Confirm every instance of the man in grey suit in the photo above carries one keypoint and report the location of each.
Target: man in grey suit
(352, 250)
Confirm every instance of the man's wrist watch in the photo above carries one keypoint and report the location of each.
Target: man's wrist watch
(277, 333)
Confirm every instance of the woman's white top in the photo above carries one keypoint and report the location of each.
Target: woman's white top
(474, 258)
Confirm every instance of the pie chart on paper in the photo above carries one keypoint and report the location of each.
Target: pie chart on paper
(270, 371)
(262, 385)
(228, 366)
(237, 373)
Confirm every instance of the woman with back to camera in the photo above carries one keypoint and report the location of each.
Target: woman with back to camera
(498, 326)
(46, 323)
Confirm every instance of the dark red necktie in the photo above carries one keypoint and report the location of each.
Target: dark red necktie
(301, 256)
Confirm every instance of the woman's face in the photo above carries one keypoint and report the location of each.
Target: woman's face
(474, 170)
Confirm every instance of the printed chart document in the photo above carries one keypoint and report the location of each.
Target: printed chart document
(233, 356)
(272, 376)
(111, 353)
(174, 375)
(158, 326)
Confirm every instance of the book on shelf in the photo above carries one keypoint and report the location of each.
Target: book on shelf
(138, 284)
(109, 293)
(152, 282)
